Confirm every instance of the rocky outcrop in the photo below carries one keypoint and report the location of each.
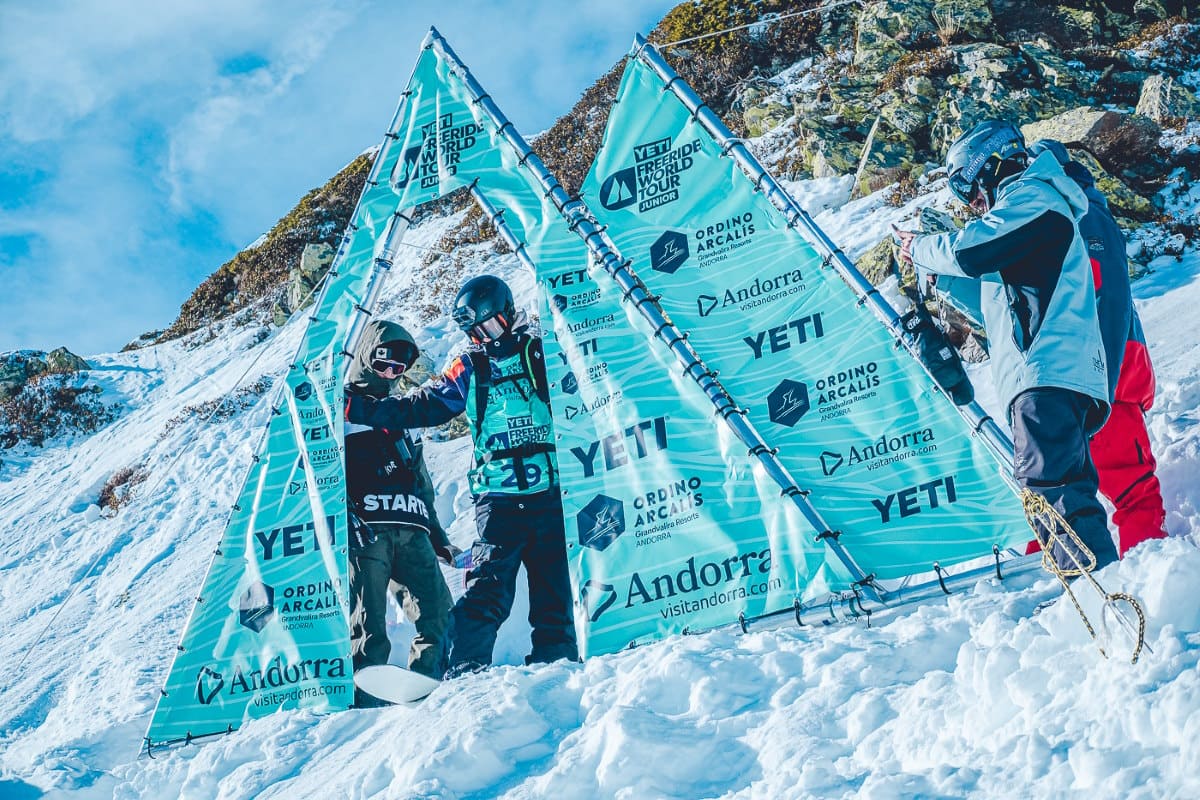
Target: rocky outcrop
(302, 281)
(1164, 99)
(17, 369)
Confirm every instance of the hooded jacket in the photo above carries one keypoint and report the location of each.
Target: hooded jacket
(386, 478)
(513, 431)
(1037, 296)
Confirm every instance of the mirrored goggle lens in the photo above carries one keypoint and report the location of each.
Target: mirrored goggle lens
(383, 365)
(490, 328)
(963, 189)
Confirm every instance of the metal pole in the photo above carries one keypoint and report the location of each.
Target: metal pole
(976, 417)
(580, 220)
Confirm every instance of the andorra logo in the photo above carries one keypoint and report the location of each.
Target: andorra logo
(209, 683)
(788, 402)
(706, 304)
(596, 598)
(669, 252)
(830, 462)
(600, 522)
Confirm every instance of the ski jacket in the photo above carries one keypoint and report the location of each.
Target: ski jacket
(1036, 291)
(386, 477)
(503, 389)
(1130, 372)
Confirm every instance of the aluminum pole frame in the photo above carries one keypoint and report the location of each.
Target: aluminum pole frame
(973, 413)
(605, 251)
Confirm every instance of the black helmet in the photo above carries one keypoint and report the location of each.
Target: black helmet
(484, 308)
(978, 158)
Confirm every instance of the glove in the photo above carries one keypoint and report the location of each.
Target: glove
(448, 554)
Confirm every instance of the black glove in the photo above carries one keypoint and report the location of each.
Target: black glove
(447, 553)
(938, 355)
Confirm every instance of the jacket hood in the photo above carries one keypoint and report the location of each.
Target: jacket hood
(359, 374)
(1046, 168)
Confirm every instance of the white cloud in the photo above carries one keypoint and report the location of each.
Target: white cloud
(142, 142)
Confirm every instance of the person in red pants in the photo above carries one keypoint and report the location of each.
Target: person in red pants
(1121, 449)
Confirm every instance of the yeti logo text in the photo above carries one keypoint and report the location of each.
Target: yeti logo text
(614, 446)
(208, 683)
(582, 347)
(653, 181)
(596, 598)
(574, 277)
(669, 252)
(290, 540)
(442, 146)
(257, 606)
(778, 339)
(908, 502)
(830, 463)
(600, 522)
(788, 403)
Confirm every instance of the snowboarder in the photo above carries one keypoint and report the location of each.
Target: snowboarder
(395, 534)
(500, 382)
(1029, 267)
(1121, 450)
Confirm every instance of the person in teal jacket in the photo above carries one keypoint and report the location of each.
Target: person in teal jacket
(1038, 305)
(500, 382)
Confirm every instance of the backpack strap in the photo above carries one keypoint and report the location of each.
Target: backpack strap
(534, 362)
(482, 378)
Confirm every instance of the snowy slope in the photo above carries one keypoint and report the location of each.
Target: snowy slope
(975, 696)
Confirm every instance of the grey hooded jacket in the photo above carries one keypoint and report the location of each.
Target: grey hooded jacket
(1035, 282)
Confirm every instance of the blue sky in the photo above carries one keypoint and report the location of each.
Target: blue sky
(143, 143)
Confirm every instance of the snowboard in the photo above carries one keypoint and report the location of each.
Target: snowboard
(394, 684)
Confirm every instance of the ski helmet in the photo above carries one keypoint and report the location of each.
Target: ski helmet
(484, 308)
(975, 161)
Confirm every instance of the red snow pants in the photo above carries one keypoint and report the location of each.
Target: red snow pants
(1121, 452)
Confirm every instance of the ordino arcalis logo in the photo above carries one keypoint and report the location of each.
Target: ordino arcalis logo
(601, 522)
(654, 178)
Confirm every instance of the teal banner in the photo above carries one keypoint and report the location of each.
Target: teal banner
(270, 630)
(887, 459)
(663, 507)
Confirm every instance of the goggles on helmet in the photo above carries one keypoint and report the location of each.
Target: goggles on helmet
(386, 368)
(491, 328)
(962, 188)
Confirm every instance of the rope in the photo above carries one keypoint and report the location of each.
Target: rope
(768, 19)
(1044, 518)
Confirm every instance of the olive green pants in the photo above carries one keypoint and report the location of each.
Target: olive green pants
(403, 554)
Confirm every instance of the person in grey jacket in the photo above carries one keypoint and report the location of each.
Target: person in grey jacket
(1034, 279)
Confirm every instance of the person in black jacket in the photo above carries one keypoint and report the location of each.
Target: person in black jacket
(500, 382)
(395, 534)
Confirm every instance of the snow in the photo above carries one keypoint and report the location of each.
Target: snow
(985, 694)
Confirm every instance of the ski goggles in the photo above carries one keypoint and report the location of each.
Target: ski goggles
(386, 368)
(962, 188)
(491, 328)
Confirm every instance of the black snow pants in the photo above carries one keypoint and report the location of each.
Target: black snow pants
(1050, 438)
(515, 530)
(403, 554)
